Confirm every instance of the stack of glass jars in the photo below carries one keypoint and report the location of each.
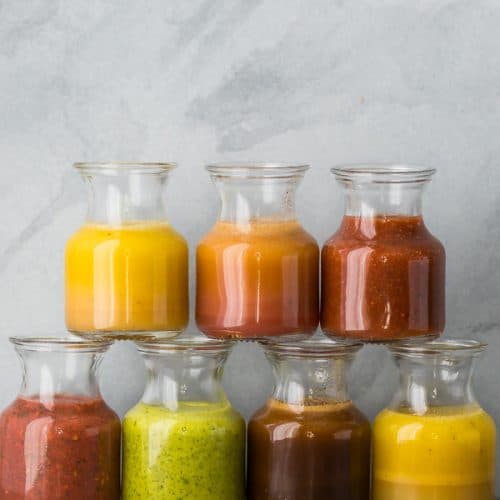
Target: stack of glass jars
(127, 278)
(383, 280)
(257, 278)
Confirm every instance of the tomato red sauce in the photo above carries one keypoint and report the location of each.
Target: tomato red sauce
(383, 278)
(68, 449)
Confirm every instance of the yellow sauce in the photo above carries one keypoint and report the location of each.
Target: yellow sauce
(130, 278)
(448, 454)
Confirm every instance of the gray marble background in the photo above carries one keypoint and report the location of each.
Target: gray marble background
(321, 81)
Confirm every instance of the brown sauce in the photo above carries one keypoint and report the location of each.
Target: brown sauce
(314, 452)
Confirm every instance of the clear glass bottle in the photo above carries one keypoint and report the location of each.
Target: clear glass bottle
(434, 440)
(59, 439)
(184, 440)
(309, 442)
(383, 273)
(126, 268)
(257, 269)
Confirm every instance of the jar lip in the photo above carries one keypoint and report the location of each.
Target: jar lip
(59, 344)
(257, 170)
(386, 173)
(188, 343)
(446, 347)
(124, 167)
(313, 347)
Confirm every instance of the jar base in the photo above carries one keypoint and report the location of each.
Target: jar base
(127, 335)
(416, 339)
(237, 336)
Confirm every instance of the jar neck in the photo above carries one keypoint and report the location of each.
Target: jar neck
(47, 374)
(178, 377)
(430, 381)
(117, 197)
(383, 198)
(309, 380)
(245, 200)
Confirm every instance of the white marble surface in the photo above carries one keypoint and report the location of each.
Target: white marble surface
(325, 82)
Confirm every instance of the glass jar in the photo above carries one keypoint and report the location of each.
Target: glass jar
(184, 440)
(434, 440)
(383, 273)
(59, 439)
(126, 267)
(309, 442)
(257, 269)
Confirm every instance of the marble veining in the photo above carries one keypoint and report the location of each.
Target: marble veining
(325, 82)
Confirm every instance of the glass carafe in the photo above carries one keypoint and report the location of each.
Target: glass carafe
(257, 269)
(434, 441)
(184, 440)
(383, 273)
(126, 267)
(309, 442)
(58, 439)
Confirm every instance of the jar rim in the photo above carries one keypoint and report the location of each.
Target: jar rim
(255, 170)
(183, 344)
(59, 344)
(444, 347)
(127, 167)
(386, 173)
(313, 347)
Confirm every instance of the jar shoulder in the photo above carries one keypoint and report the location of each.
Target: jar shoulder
(225, 235)
(140, 236)
(439, 422)
(311, 419)
(146, 415)
(71, 415)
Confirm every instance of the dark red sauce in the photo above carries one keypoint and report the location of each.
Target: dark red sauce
(383, 278)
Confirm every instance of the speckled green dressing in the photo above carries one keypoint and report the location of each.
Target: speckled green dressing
(194, 453)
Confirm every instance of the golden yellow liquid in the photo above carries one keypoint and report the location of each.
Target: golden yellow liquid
(446, 455)
(131, 278)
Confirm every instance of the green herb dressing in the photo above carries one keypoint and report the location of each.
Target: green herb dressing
(196, 452)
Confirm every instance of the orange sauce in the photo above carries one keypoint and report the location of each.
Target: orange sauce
(257, 280)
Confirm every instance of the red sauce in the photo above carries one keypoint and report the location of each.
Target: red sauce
(68, 449)
(383, 278)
